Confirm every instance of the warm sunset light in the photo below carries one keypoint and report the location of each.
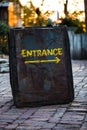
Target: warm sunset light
(57, 6)
(23, 2)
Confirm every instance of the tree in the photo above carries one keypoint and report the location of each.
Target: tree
(72, 20)
(34, 16)
(66, 8)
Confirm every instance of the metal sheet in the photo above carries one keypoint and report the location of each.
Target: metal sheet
(40, 66)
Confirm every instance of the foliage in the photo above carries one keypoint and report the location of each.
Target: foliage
(49, 23)
(81, 28)
(72, 20)
(69, 22)
(3, 28)
(3, 38)
(34, 16)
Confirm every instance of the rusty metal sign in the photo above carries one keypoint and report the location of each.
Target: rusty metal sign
(40, 66)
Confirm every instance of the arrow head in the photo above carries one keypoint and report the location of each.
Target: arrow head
(57, 60)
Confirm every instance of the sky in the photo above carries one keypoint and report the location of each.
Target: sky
(57, 6)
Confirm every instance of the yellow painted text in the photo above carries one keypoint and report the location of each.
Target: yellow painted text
(40, 53)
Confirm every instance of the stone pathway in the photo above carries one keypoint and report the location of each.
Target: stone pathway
(71, 116)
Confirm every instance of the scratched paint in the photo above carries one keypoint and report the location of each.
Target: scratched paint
(40, 66)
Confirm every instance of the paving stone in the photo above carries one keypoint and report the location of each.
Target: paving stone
(11, 127)
(84, 126)
(18, 121)
(27, 128)
(14, 110)
(66, 127)
(86, 118)
(28, 113)
(9, 121)
(44, 129)
(49, 125)
(3, 125)
(2, 128)
(56, 117)
(5, 108)
(54, 120)
(34, 123)
(77, 109)
(9, 117)
(72, 116)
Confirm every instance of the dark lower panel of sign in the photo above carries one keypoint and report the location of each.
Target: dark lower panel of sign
(26, 100)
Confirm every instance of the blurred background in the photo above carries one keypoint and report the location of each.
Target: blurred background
(32, 12)
(71, 13)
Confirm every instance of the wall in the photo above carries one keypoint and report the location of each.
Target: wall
(78, 45)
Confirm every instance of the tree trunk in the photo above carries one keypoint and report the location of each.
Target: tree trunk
(85, 5)
(66, 8)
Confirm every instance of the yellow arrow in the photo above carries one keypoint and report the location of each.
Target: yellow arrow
(56, 60)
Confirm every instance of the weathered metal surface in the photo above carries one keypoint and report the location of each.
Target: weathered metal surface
(40, 66)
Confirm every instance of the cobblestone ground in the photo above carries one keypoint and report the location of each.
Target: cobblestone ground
(71, 116)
